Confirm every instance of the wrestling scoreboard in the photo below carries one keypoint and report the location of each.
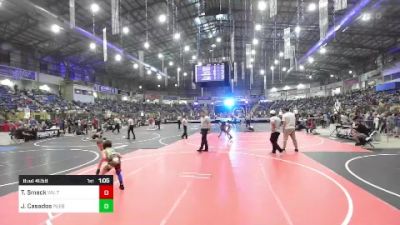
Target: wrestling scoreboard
(210, 72)
(65, 194)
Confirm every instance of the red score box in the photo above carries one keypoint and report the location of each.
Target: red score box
(106, 191)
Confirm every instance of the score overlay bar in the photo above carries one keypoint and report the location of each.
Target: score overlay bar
(65, 193)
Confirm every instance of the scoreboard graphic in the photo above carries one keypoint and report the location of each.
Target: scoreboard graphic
(210, 72)
(65, 194)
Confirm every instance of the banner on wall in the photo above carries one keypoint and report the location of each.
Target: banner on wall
(105, 89)
(235, 74)
(171, 98)
(115, 18)
(323, 18)
(248, 55)
(243, 71)
(17, 73)
(233, 46)
(287, 46)
(340, 4)
(72, 14)
(273, 8)
(105, 44)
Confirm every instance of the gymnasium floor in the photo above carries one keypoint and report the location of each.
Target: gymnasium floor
(236, 183)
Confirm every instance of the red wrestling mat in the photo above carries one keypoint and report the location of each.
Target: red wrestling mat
(235, 183)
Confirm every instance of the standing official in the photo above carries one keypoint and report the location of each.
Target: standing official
(130, 128)
(205, 126)
(185, 124)
(289, 125)
(275, 128)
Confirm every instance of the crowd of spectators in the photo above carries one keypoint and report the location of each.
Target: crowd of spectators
(379, 110)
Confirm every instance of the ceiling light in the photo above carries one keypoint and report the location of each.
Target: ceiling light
(272, 67)
(322, 50)
(258, 27)
(140, 86)
(194, 57)
(281, 54)
(218, 39)
(184, 74)
(94, 8)
(284, 69)
(158, 86)
(332, 75)
(146, 45)
(171, 63)
(148, 72)
(199, 63)
(135, 66)
(251, 60)
(262, 72)
(310, 77)
(186, 48)
(55, 28)
(253, 51)
(310, 59)
(162, 18)
(276, 62)
(213, 46)
(117, 57)
(176, 85)
(297, 30)
(301, 67)
(92, 46)
(350, 71)
(178, 69)
(223, 58)
(365, 16)
(177, 36)
(312, 7)
(160, 55)
(159, 77)
(255, 41)
(262, 5)
(125, 30)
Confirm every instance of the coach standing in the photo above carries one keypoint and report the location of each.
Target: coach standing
(275, 123)
(289, 125)
(130, 128)
(184, 123)
(205, 126)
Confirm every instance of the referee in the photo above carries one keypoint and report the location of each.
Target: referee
(185, 124)
(205, 125)
(130, 128)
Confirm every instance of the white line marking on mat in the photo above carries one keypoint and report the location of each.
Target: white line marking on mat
(277, 199)
(175, 205)
(347, 165)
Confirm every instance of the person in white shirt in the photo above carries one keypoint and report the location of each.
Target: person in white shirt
(117, 125)
(130, 128)
(275, 123)
(185, 124)
(205, 126)
(289, 125)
